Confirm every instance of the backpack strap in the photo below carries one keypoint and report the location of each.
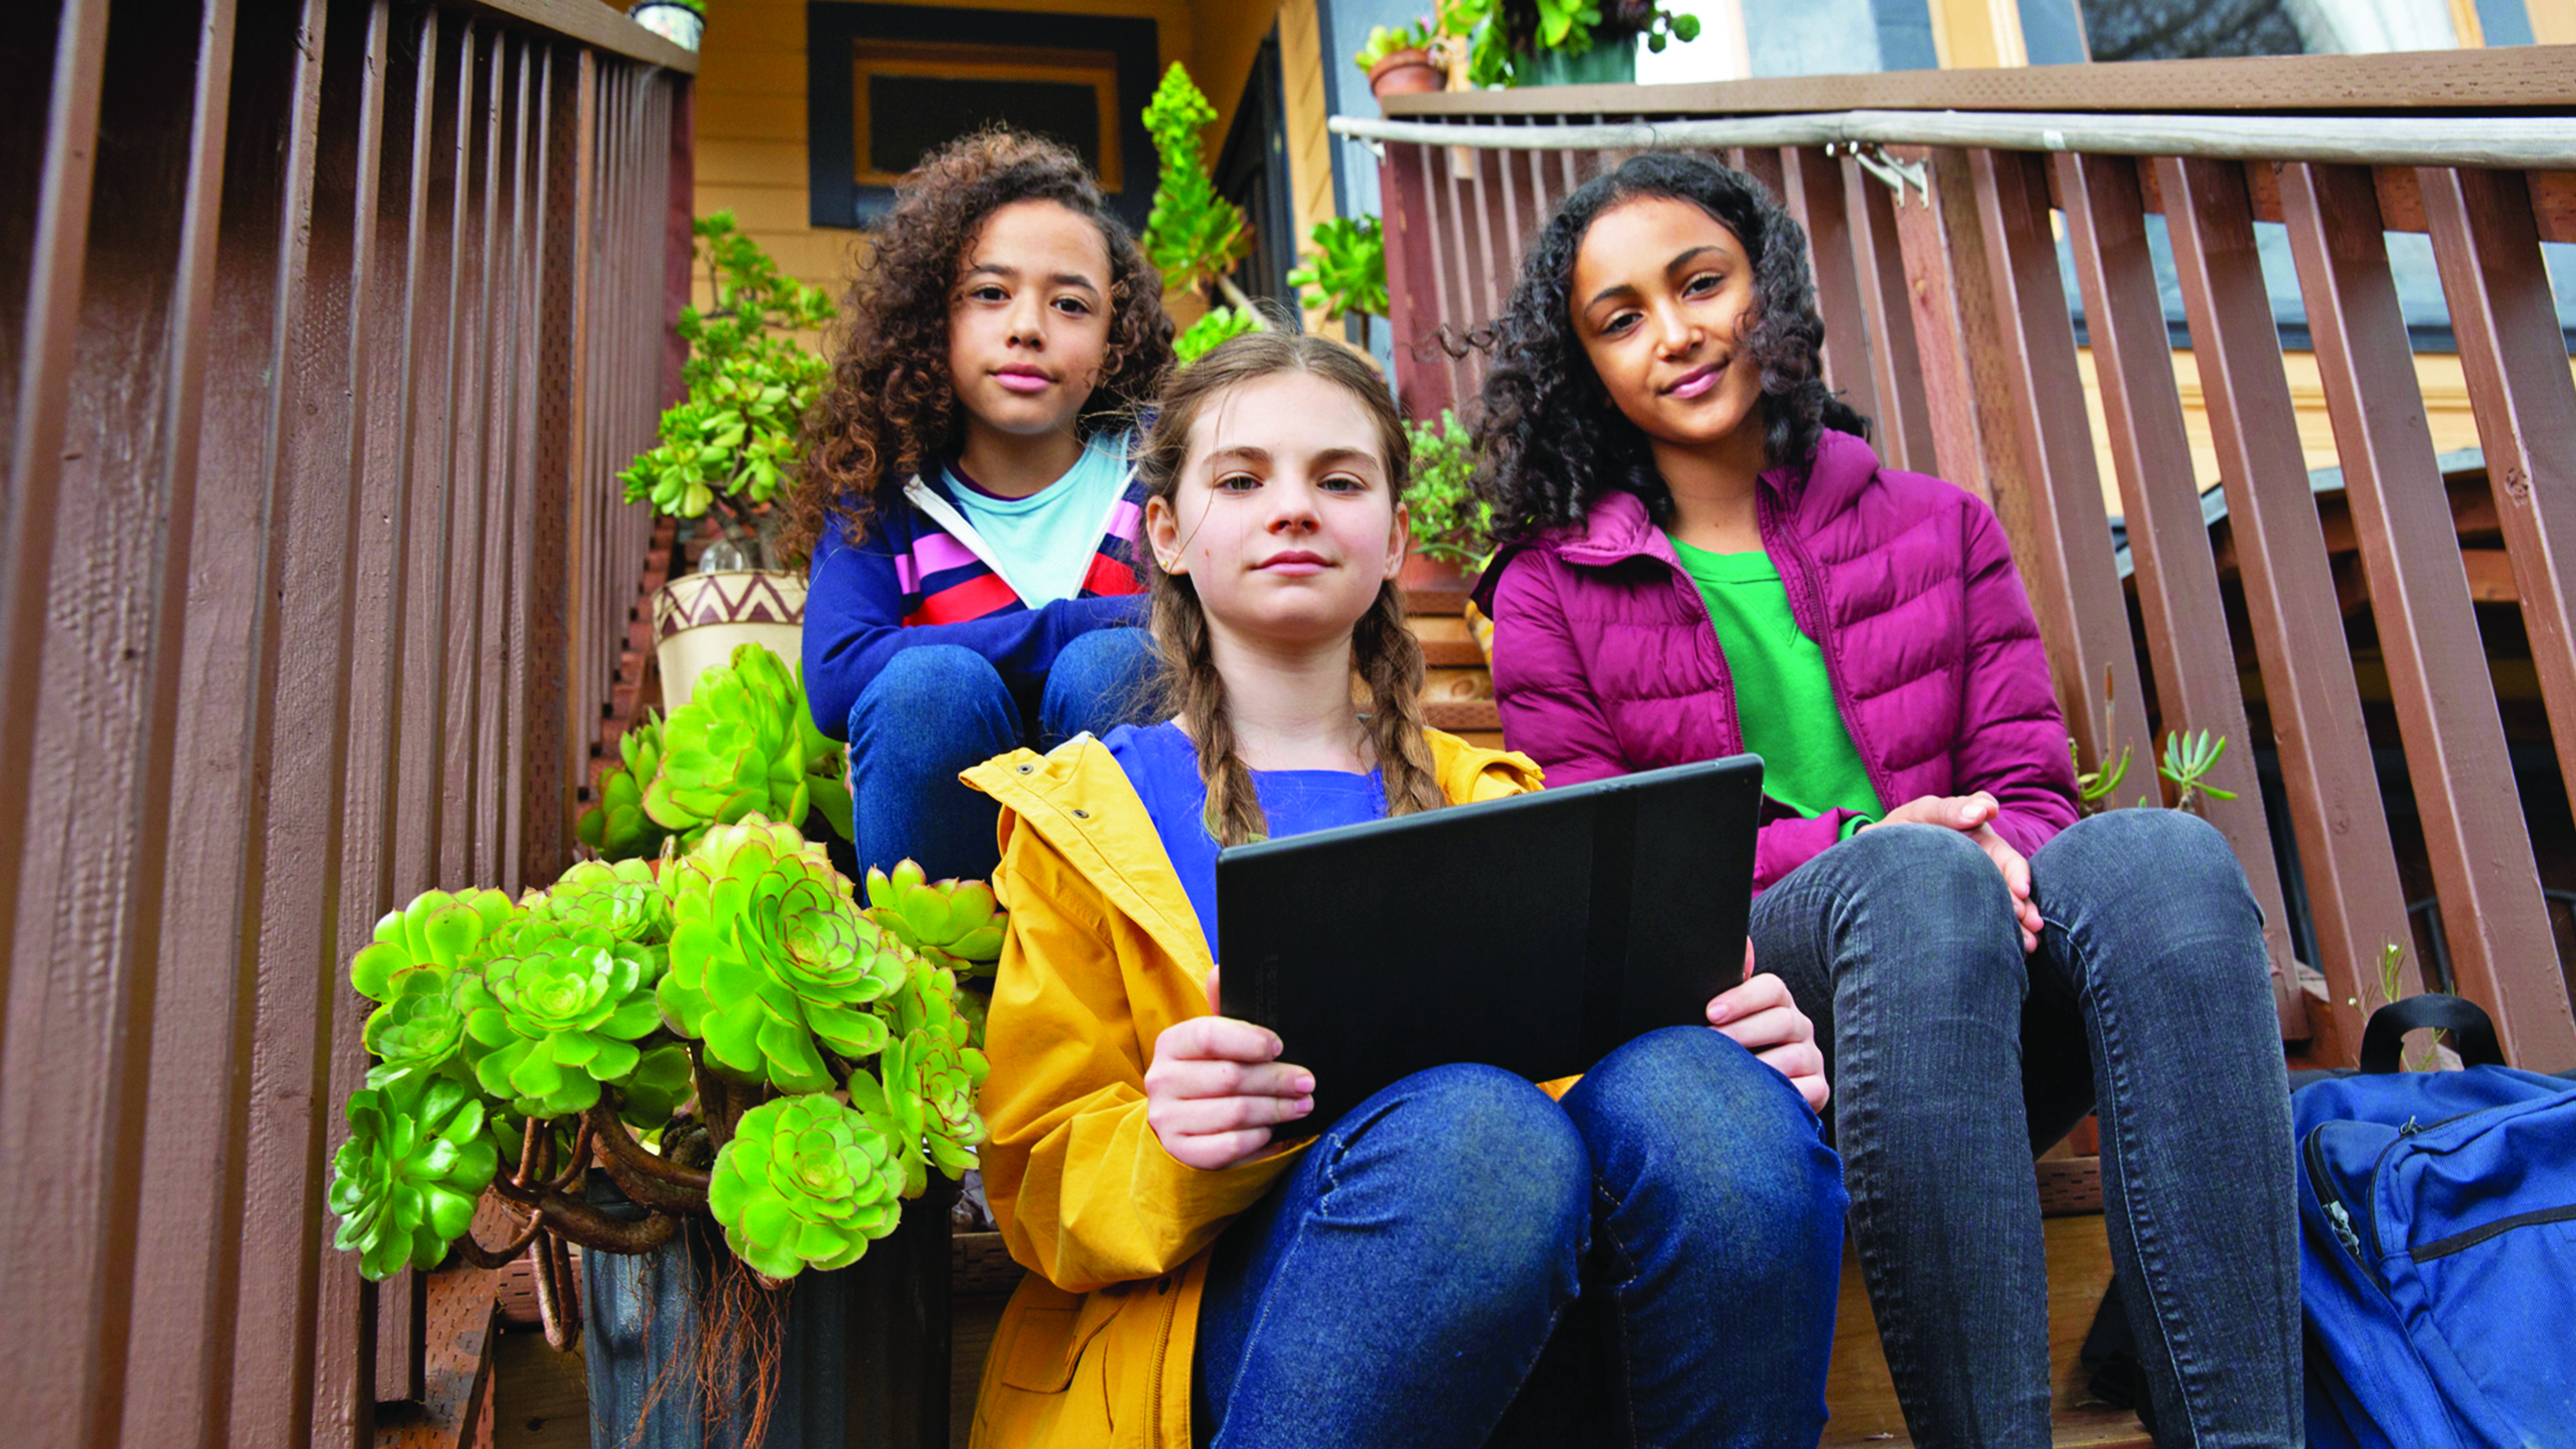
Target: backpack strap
(2472, 1035)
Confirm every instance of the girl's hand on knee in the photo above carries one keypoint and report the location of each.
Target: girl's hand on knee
(1761, 1017)
(1974, 817)
(1216, 1088)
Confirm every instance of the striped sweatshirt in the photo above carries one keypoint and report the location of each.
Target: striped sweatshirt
(923, 575)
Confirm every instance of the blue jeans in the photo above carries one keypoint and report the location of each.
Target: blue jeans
(1652, 1261)
(1955, 1057)
(936, 710)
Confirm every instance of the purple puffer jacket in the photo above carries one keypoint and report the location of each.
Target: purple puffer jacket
(1605, 661)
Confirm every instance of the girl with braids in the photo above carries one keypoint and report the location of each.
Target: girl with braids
(967, 497)
(1701, 557)
(1652, 1247)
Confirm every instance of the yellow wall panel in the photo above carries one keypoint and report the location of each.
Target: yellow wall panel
(751, 109)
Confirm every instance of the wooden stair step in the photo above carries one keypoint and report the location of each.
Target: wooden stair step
(1455, 715)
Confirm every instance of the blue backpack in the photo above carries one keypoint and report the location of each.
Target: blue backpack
(2438, 1245)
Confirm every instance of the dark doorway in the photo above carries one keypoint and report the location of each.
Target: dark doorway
(1252, 172)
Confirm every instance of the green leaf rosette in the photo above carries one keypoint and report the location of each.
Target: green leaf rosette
(437, 930)
(769, 953)
(405, 1182)
(734, 750)
(952, 924)
(617, 826)
(621, 898)
(930, 1084)
(556, 1013)
(806, 1181)
(420, 1029)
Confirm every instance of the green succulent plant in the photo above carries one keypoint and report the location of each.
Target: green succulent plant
(1446, 517)
(617, 826)
(745, 744)
(769, 953)
(405, 1182)
(1347, 266)
(556, 1013)
(660, 1082)
(951, 923)
(1202, 337)
(731, 444)
(1193, 235)
(436, 929)
(1383, 42)
(930, 1082)
(807, 1181)
(420, 1027)
(620, 897)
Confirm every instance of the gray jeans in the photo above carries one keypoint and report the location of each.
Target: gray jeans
(1954, 1058)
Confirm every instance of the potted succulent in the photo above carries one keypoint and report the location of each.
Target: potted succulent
(681, 22)
(1561, 42)
(1194, 236)
(1348, 269)
(727, 1039)
(1451, 526)
(1400, 61)
(727, 451)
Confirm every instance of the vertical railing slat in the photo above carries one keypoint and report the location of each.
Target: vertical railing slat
(2353, 892)
(1422, 376)
(1946, 287)
(2493, 918)
(1814, 193)
(2515, 356)
(1904, 416)
(2177, 576)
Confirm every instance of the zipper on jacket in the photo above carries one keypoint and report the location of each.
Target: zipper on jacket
(1828, 644)
(2330, 1202)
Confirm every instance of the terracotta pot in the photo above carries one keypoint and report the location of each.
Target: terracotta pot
(1404, 73)
(698, 619)
(1423, 572)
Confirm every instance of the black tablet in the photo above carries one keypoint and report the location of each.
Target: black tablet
(1536, 933)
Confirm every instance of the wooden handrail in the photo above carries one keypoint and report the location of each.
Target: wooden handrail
(2532, 142)
(2508, 79)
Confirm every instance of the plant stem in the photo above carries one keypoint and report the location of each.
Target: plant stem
(1241, 303)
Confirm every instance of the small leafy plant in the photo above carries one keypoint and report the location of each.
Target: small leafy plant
(1449, 522)
(1503, 36)
(730, 444)
(1347, 268)
(1383, 42)
(2187, 763)
(1194, 236)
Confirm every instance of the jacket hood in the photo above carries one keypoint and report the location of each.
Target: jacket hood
(1078, 798)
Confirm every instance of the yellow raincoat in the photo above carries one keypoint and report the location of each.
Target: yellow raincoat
(1104, 954)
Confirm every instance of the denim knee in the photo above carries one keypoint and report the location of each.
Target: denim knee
(937, 690)
(1924, 899)
(1710, 1121)
(1099, 680)
(1490, 1158)
(2152, 885)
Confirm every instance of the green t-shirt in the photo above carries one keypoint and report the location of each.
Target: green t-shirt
(1784, 700)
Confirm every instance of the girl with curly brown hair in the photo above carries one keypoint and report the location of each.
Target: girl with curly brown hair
(967, 496)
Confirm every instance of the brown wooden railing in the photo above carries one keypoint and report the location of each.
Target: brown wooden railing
(324, 325)
(1946, 322)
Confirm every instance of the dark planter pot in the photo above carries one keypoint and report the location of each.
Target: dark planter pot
(863, 1364)
(1607, 63)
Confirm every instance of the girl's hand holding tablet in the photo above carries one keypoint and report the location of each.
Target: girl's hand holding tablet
(1216, 1088)
(1760, 1017)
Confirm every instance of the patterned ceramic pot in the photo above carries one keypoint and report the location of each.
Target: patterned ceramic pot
(699, 618)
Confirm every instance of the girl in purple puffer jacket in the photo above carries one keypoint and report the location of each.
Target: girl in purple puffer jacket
(1701, 556)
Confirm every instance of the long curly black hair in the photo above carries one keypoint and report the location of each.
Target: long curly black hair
(1552, 440)
(889, 408)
